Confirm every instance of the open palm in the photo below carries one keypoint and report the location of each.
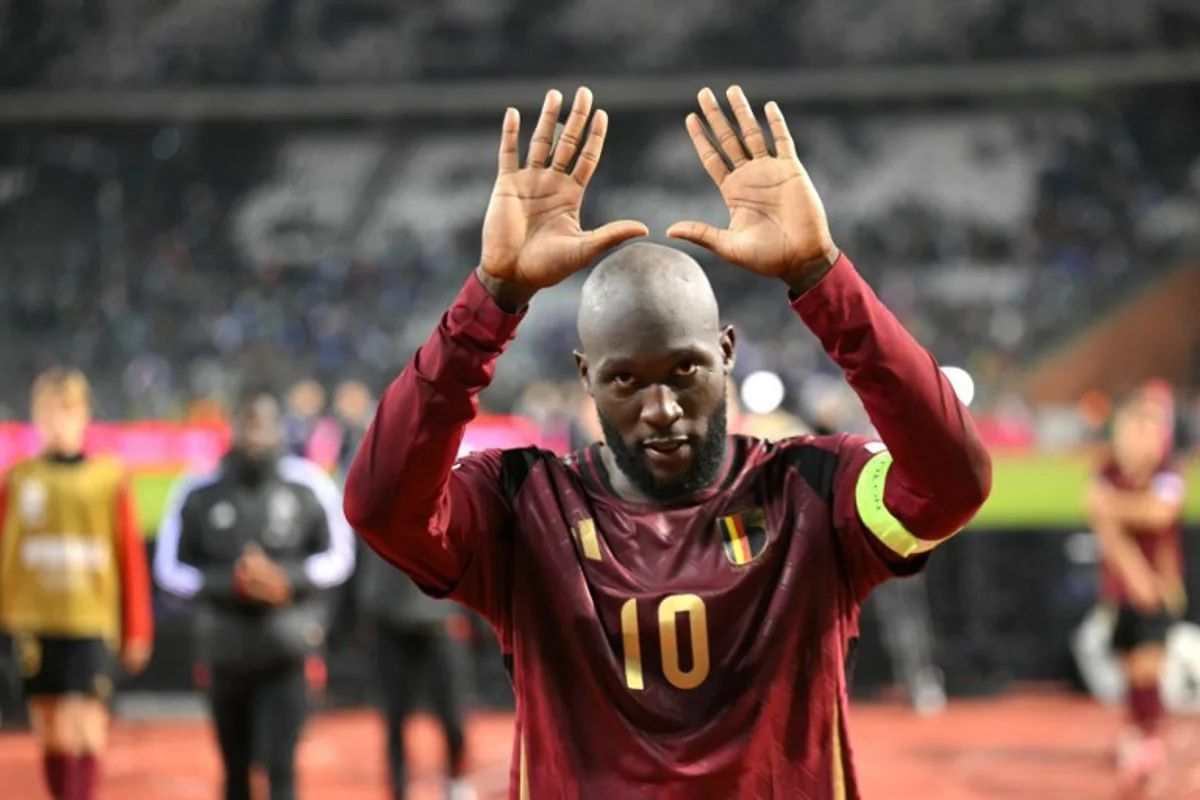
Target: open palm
(531, 232)
(776, 220)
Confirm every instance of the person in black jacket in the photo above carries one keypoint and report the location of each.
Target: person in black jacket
(255, 544)
(414, 650)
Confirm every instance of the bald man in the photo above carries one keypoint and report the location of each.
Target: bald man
(675, 604)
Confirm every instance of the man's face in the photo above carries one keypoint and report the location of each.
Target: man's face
(62, 420)
(307, 399)
(260, 428)
(1140, 437)
(353, 402)
(661, 400)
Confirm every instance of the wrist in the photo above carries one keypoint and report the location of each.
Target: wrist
(509, 296)
(807, 274)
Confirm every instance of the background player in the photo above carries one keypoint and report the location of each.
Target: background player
(1135, 506)
(256, 544)
(73, 583)
(675, 605)
(416, 657)
(413, 648)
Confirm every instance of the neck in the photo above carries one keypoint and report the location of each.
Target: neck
(625, 488)
(621, 484)
(65, 456)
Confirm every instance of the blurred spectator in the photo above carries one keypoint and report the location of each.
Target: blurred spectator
(305, 405)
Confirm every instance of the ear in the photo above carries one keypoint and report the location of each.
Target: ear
(581, 363)
(728, 343)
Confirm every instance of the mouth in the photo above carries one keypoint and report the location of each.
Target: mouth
(667, 451)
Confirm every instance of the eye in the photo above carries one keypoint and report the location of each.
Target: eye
(687, 369)
(623, 379)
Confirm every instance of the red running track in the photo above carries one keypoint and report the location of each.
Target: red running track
(1032, 747)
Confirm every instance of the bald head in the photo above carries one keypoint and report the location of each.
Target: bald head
(651, 287)
(655, 361)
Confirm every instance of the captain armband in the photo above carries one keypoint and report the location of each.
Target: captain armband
(868, 497)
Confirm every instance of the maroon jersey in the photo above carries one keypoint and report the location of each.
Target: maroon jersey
(1162, 547)
(694, 649)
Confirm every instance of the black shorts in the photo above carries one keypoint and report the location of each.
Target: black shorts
(1136, 629)
(59, 665)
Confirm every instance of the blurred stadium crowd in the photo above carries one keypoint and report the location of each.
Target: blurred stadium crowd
(78, 43)
(168, 260)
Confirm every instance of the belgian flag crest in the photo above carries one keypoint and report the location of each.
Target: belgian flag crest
(744, 535)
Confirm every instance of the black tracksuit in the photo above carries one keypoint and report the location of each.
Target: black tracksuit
(256, 654)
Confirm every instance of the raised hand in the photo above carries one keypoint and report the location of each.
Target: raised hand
(531, 233)
(777, 225)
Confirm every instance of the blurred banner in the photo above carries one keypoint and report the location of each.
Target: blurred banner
(176, 447)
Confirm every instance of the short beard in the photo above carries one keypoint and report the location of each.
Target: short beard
(706, 466)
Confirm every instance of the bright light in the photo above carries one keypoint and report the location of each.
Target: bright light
(961, 382)
(762, 392)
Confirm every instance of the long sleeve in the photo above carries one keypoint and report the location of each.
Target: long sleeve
(932, 473)
(332, 559)
(178, 569)
(137, 610)
(407, 495)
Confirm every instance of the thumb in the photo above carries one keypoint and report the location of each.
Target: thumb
(700, 233)
(608, 236)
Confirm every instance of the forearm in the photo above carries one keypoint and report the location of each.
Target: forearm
(941, 473)
(137, 615)
(299, 584)
(1121, 552)
(1142, 511)
(398, 478)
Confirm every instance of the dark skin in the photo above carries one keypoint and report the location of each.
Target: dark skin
(671, 359)
(259, 436)
(655, 360)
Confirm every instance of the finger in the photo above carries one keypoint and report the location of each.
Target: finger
(510, 133)
(572, 133)
(723, 132)
(713, 163)
(701, 233)
(543, 134)
(752, 133)
(589, 156)
(609, 236)
(785, 146)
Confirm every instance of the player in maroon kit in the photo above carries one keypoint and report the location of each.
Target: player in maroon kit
(675, 604)
(1135, 506)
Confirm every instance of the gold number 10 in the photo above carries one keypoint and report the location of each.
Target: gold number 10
(668, 612)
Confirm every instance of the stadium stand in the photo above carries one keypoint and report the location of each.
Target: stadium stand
(68, 43)
(173, 258)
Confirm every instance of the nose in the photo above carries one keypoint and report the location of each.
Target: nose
(660, 407)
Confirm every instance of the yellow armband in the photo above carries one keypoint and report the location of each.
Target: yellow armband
(868, 496)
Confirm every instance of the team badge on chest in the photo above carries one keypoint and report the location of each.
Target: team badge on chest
(222, 515)
(282, 510)
(744, 535)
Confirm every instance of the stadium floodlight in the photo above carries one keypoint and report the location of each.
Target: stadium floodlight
(962, 382)
(762, 392)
